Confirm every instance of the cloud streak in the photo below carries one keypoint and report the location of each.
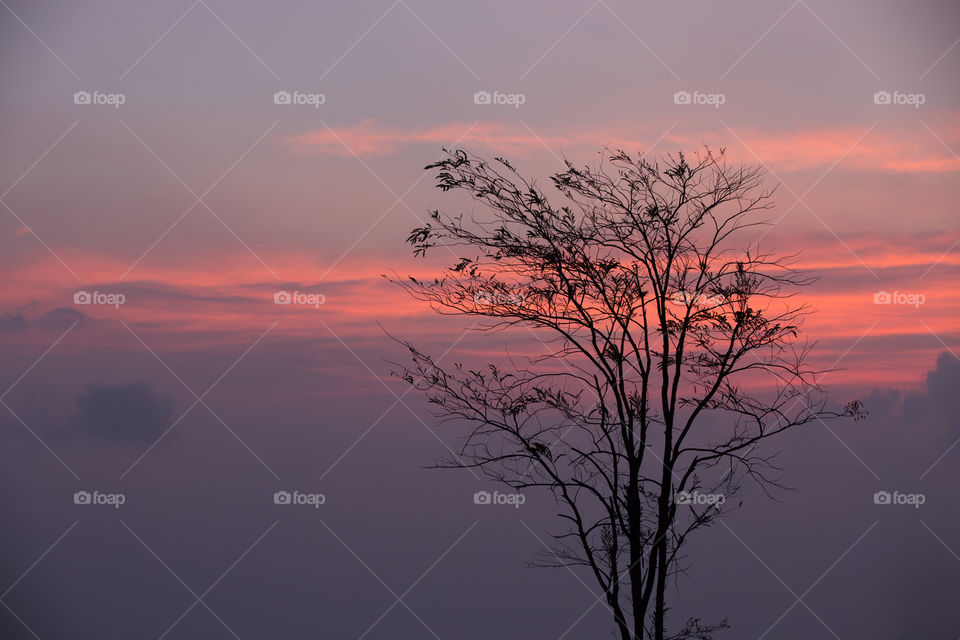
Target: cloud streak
(788, 150)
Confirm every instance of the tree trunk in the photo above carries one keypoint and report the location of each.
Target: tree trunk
(659, 611)
(636, 552)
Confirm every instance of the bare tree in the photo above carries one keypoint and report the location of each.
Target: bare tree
(673, 355)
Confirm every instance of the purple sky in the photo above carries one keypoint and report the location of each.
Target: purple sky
(200, 197)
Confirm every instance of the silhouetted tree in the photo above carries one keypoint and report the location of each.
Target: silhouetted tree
(675, 355)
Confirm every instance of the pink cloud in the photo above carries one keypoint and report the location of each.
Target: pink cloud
(185, 304)
(788, 150)
(368, 137)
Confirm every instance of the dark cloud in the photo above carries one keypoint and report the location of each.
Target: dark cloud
(258, 291)
(60, 318)
(123, 412)
(29, 316)
(162, 292)
(13, 322)
(943, 383)
(935, 405)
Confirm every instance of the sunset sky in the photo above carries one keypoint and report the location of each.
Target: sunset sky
(197, 193)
